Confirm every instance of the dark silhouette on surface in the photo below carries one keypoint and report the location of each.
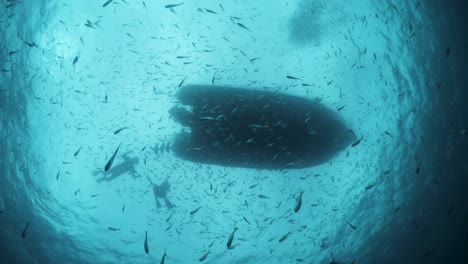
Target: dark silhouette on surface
(160, 191)
(255, 129)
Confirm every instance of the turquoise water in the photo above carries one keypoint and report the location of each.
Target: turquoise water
(74, 72)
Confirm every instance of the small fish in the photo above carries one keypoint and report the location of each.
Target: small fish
(163, 259)
(173, 5)
(299, 202)
(58, 175)
(123, 208)
(107, 3)
(206, 118)
(181, 83)
(77, 152)
(30, 44)
(95, 195)
(210, 11)
(23, 234)
(293, 78)
(231, 238)
(356, 142)
(283, 237)
(194, 211)
(253, 186)
(447, 52)
(77, 191)
(113, 228)
(120, 130)
(169, 218)
(13, 52)
(263, 196)
(2, 211)
(386, 133)
(352, 226)
(213, 79)
(146, 242)
(204, 256)
(341, 108)
(75, 60)
(370, 186)
(244, 27)
(111, 160)
(246, 220)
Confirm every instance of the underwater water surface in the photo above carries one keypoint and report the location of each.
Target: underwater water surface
(316, 131)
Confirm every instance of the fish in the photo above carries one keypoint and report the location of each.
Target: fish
(123, 208)
(341, 108)
(293, 78)
(111, 160)
(119, 130)
(231, 238)
(283, 238)
(370, 186)
(13, 52)
(181, 83)
(30, 44)
(195, 211)
(246, 220)
(213, 79)
(202, 258)
(58, 175)
(210, 11)
(113, 228)
(169, 218)
(77, 191)
(263, 196)
(356, 142)
(253, 186)
(206, 118)
(254, 59)
(244, 27)
(77, 152)
(146, 242)
(107, 3)
(299, 202)
(173, 5)
(351, 225)
(163, 259)
(75, 60)
(2, 211)
(25, 229)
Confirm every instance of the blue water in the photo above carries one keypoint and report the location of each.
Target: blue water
(73, 72)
